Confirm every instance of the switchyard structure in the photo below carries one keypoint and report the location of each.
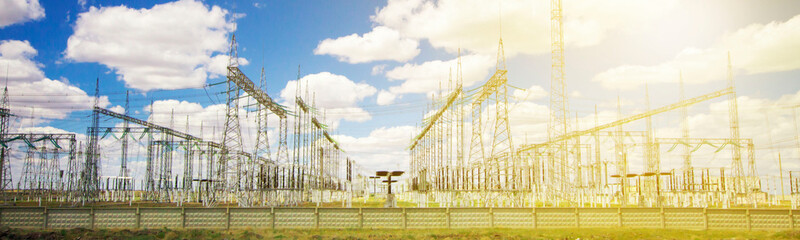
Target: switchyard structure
(464, 155)
(182, 168)
(568, 169)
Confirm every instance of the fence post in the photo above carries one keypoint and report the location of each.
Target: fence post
(228, 218)
(535, 218)
(360, 218)
(749, 220)
(405, 219)
(491, 217)
(619, 216)
(138, 218)
(705, 218)
(791, 219)
(183, 217)
(272, 214)
(447, 211)
(316, 218)
(577, 218)
(91, 217)
(45, 218)
(663, 218)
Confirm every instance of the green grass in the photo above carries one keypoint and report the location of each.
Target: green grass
(605, 233)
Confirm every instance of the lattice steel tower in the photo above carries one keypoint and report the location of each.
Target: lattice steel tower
(733, 114)
(559, 120)
(90, 179)
(231, 160)
(5, 116)
(262, 136)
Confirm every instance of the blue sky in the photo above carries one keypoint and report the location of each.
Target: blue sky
(613, 47)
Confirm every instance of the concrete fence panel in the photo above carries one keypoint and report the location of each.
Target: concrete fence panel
(383, 217)
(251, 217)
(160, 217)
(339, 218)
(115, 218)
(69, 218)
(205, 218)
(469, 218)
(598, 217)
(512, 217)
(295, 218)
(641, 217)
(426, 217)
(795, 216)
(556, 217)
(771, 218)
(23, 217)
(685, 218)
(727, 218)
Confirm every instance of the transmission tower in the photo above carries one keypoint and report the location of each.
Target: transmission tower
(90, 179)
(231, 161)
(733, 111)
(5, 167)
(122, 182)
(559, 124)
(502, 152)
(687, 154)
(262, 136)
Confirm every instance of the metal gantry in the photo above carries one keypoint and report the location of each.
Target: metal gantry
(182, 168)
(570, 168)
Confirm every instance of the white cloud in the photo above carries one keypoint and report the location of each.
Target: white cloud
(335, 94)
(382, 149)
(41, 94)
(19, 11)
(535, 92)
(169, 46)
(757, 48)
(381, 43)
(117, 109)
(16, 59)
(474, 24)
(425, 77)
(386, 98)
(29, 90)
(378, 69)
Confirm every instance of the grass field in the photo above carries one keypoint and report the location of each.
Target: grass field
(624, 233)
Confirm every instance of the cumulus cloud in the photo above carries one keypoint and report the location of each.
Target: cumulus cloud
(50, 98)
(17, 58)
(378, 69)
(475, 24)
(174, 45)
(336, 95)
(386, 98)
(382, 43)
(383, 148)
(29, 90)
(425, 77)
(535, 92)
(117, 109)
(757, 48)
(19, 11)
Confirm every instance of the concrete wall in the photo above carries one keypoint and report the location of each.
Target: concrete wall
(399, 218)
